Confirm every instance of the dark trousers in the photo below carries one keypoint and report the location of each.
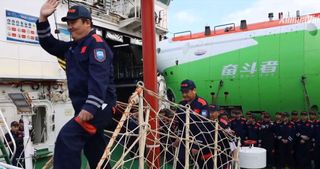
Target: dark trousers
(181, 157)
(317, 156)
(72, 139)
(276, 154)
(303, 156)
(286, 158)
(270, 160)
(269, 147)
(70, 142)
(18, 158)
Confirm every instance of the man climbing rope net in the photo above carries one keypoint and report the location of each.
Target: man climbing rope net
(90, 83)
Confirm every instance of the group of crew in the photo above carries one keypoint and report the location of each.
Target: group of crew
(290, 141)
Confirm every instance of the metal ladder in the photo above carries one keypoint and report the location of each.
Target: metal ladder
(4, 128)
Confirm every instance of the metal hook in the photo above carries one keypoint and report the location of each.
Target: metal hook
(140, 84)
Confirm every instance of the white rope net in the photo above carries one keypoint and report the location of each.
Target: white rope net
(185, 138)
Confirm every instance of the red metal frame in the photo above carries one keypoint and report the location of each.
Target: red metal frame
(150, 77)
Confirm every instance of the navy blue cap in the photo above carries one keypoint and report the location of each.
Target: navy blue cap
(304, 113)
(187, 85)
(76, 12)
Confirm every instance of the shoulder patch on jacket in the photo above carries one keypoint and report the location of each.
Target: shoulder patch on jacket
(100, 55)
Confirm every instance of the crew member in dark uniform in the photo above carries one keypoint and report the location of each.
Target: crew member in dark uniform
(313, 120)
(90, 83)
(295, 120)
(200, 108)
(266, 138)
(277, 123)
(252, 128)
(228, 145)
(238, 124)
(286, 140)
(18, 139)
(214, 112)
(303, 136)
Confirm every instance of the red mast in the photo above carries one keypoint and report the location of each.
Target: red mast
(150, 77)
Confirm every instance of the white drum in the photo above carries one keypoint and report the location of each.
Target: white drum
(253, 157)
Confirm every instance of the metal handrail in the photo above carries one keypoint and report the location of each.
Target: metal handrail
(233, 25)
(190, 33)
(13, 152)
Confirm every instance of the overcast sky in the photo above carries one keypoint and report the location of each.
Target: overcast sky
(194, 15)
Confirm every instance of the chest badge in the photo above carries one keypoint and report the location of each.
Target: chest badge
(100, 55)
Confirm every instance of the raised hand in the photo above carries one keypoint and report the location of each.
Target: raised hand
(47, 9)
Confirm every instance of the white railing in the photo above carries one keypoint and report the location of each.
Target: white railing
(5, 130)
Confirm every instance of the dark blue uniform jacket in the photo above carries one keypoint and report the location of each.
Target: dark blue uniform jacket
(89, 69)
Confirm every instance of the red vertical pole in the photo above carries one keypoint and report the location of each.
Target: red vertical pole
(150, 77)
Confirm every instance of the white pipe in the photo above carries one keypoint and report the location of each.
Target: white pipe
(135, 8)
(27, 143)
(11, 137)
